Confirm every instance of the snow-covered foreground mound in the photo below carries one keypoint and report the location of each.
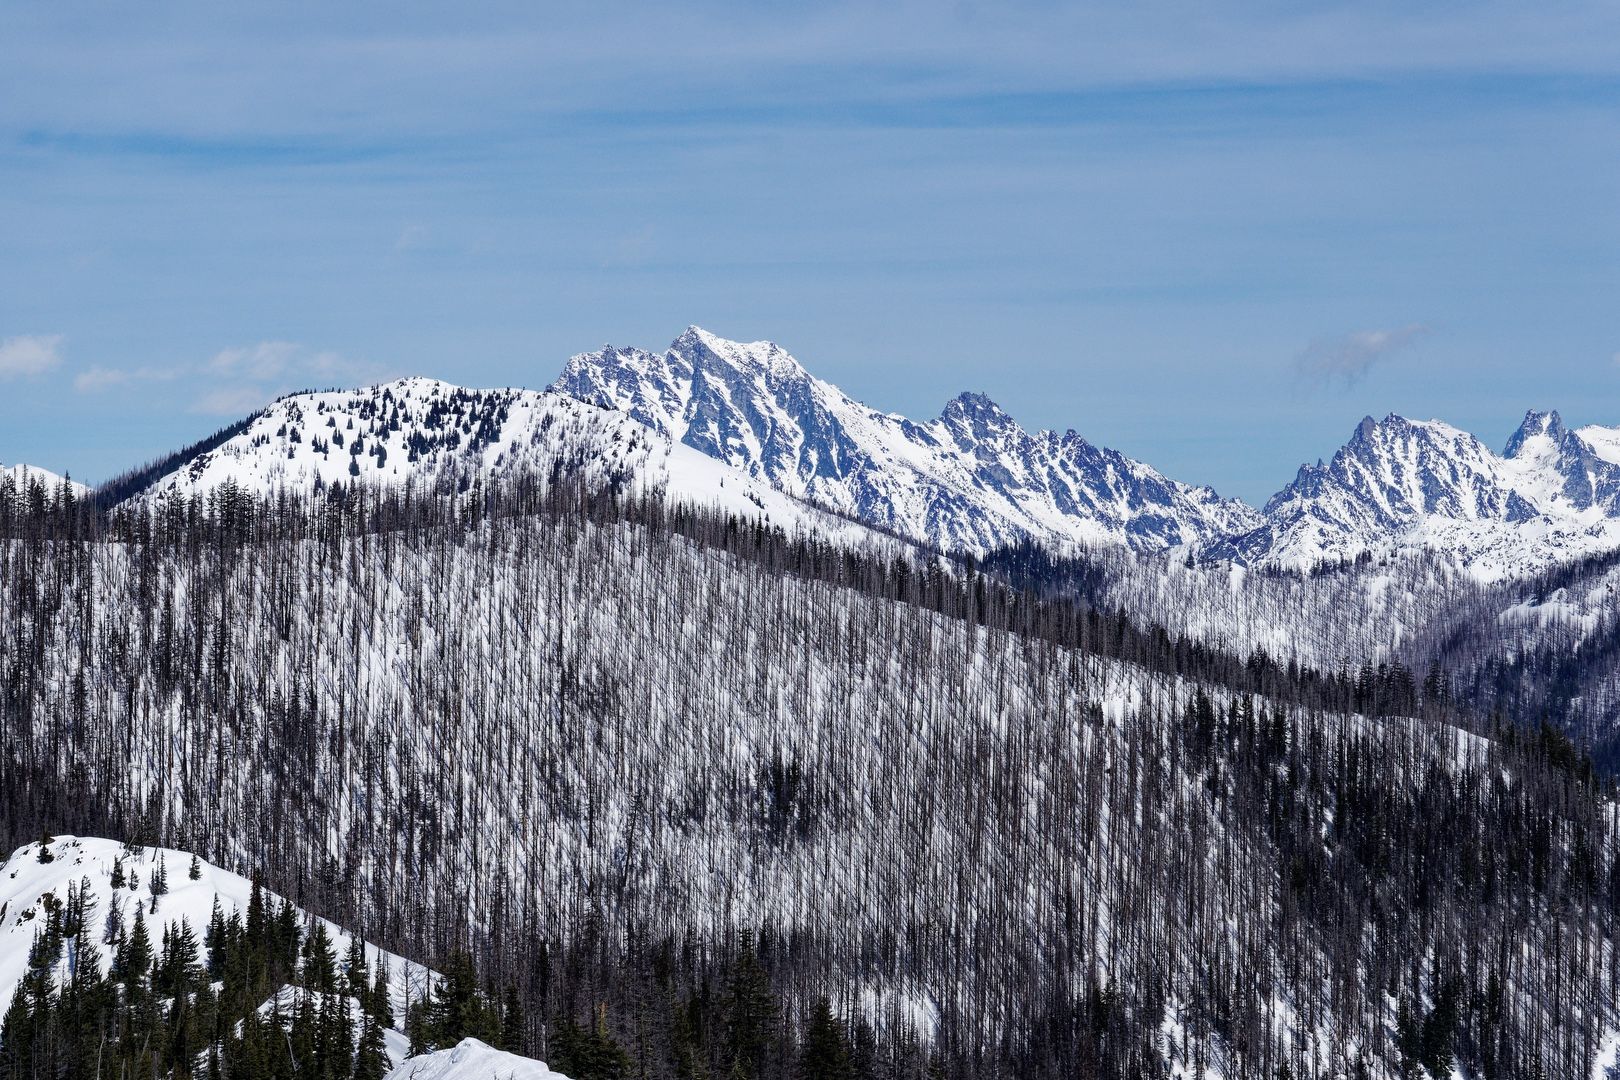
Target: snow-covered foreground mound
(29, 888)
(473, 1060)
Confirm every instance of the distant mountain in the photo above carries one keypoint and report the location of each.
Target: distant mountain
(23, 475)
(743, 426)
(1551, 496)
(435, 436)
(971, 479)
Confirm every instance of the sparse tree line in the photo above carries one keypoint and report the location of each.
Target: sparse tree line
(715, 800)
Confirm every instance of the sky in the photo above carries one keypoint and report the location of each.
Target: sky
(1210, 236)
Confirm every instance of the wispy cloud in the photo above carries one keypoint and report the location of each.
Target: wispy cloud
(264, 361)
(29, 354)
(242, 378)
(1345, 360)
(95, 379)
(230, 401)
(246, 377)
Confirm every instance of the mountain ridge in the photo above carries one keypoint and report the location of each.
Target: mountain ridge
(745, 426)
(970, 479)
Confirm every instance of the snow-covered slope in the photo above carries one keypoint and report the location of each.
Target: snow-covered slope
(435, 435)
(971, 479)
(27, 886)
(472, 1060)
(1551, 496)
(24, 475)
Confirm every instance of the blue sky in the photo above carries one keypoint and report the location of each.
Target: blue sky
(1213, 240)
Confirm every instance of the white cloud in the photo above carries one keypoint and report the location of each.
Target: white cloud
(231, 401)
(266, 360)
(1348, 358)
(95, 379)
(246, 377)
(29, 354)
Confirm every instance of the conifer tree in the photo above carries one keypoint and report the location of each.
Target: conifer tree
(512, 1022)
(159, 882)
(319, 972)
(371, 1058)
(379, 1003)
(752, 1011)
(135, 956)
(826, 1050)
(356, 979)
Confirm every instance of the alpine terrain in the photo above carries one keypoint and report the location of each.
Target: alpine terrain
(689, 718)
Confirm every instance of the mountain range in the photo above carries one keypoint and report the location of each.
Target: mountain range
(746, 427)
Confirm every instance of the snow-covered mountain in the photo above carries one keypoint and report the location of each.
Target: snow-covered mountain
(435, 435)
(1551, 496)
(24, 475)
(743, 426)
(972, 479)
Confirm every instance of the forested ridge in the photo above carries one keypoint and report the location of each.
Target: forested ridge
(1539, 648)
(706, 795)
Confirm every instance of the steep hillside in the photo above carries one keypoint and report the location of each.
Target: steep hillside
(632, 758)
(119, 960)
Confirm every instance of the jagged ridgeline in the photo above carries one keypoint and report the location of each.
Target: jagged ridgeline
(623, 751)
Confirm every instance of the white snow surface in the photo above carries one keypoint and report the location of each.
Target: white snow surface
(1604, 441)
(25, 882)
(23, 475)
(472, 1060)
(433, 435)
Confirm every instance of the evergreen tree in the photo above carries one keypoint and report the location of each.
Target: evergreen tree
(512, 1022)
(751, 1018)
(588, 1053)
(356, 979)
(379, 1003)
(135, 956)
(826, 1049)
(371, 1058)
(319, 971)
(159, 882)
